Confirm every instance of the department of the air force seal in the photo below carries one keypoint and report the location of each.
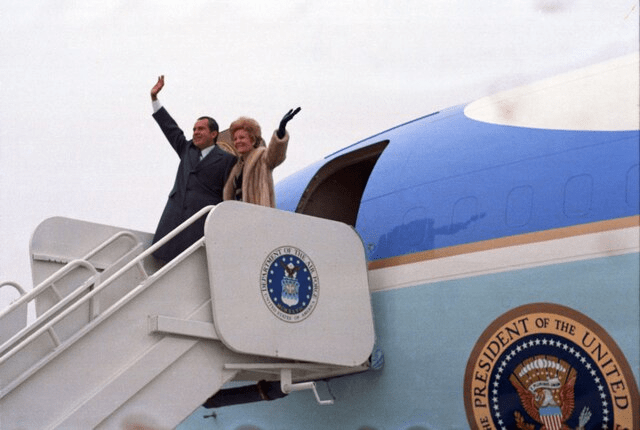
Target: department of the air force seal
(548, 367)
(289, 284)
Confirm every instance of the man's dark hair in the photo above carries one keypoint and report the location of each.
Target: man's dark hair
(213, 125)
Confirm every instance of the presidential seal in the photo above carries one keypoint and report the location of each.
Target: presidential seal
(289, 284)
(548, 367)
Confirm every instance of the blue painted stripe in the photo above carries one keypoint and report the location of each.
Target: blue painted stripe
(467, 181)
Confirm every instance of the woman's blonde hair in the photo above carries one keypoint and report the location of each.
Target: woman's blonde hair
(249, 125)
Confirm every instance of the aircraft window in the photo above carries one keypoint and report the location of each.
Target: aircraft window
(464, 210)
(519, 206)
(336, 190)
(633, 187)
(577, 195)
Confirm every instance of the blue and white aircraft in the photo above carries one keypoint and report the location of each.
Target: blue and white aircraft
(502, 246)
(474, 268)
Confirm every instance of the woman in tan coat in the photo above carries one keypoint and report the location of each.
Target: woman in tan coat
(251, 179)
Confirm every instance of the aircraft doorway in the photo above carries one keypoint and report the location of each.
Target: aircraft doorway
(336, 189)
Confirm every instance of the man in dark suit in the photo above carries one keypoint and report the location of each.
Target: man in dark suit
(202, 173)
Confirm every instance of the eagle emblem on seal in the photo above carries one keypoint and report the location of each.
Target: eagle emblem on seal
(289, 284)
(545, 386)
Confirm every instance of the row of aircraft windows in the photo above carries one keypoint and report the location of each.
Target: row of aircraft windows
(577, 200)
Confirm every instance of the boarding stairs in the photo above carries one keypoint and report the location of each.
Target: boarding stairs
(119, 339)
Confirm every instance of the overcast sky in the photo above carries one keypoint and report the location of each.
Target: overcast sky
(76, 134)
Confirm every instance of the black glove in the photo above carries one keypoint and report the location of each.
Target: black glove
(285, 119)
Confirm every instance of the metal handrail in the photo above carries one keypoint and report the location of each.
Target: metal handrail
(110, 241)
(49, 283)
(60, 304)
(34, 293)
(48, 327)
(14, 285)
(39, 289)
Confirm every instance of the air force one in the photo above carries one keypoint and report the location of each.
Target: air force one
(474, 268)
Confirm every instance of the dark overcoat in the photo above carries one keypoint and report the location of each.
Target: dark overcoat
(198, 183)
